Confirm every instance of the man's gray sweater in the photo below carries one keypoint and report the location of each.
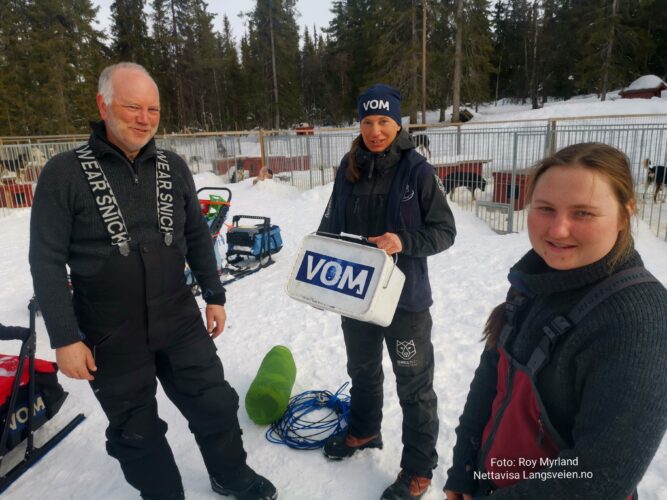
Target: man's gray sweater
(66, 227)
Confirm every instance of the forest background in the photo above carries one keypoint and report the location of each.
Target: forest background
(437, 52)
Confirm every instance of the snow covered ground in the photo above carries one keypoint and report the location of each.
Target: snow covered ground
(580, 106)
(468, 280)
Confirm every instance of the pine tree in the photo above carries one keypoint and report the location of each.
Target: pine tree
(499, 40)
(271, 54)
(458, 61)
(231, 103)
(15, 88)
(61, 56)
(440, 54)
(254, 73)
(512, 24)
(351, 50)
(613, 46)
(129, 31)
(163, 59)
(478, 50)
(184, 55)
(397, 61)
(51, 57)
(558, 49)
(312, 78)
(470, 81)
(652, 20)
(199, 52)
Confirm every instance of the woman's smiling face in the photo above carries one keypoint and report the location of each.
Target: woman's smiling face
(378, 132)
(574, 217)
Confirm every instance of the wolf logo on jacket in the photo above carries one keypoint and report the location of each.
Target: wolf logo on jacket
(406, 349)
(409, 194)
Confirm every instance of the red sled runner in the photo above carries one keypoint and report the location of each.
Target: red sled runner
(27, 402)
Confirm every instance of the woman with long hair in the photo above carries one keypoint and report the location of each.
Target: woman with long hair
(570, 397)
(386, 191)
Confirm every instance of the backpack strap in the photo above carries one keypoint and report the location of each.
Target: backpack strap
(560, 325)
(513, 303)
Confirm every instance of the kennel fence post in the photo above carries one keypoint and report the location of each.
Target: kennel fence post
(510, 220)
(458, 139)
(553, 142)
(291, 166)
(262, 151)
(310, 164)
(321, 163)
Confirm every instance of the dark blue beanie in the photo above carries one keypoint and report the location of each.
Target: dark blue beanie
(380, 99)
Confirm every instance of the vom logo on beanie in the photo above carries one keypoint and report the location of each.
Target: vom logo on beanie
(380, 99)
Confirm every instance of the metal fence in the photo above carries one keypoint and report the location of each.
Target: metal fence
(483, 166)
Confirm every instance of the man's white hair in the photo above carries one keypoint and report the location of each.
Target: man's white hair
(104, 86)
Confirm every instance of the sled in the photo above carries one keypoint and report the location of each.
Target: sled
(19, 447)
(214, 209)
(250, 248)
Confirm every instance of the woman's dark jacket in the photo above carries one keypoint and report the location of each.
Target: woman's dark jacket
(605, 388)
(398, 192)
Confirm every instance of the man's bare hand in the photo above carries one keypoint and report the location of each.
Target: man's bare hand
(389, 242)
(76, 361)
(215, 319)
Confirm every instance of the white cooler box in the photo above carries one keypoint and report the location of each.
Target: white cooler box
(351, 279)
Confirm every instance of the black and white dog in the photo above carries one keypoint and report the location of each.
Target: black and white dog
(656, 174)
(469, 180)
(422, 144)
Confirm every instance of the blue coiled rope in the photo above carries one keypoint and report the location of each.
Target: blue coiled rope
(311, 418)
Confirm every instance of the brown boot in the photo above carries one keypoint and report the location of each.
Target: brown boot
(406, 486)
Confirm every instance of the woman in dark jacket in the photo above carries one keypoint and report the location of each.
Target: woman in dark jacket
(570, 398)
(386, 191)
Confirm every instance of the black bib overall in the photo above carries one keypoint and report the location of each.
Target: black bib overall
(143, 324)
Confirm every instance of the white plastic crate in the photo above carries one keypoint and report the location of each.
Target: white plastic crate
(351, 279)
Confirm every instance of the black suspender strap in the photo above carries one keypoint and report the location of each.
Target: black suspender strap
(608, 287)
(104, 199)
(108, 205)
(165, 198)
(563, 324)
